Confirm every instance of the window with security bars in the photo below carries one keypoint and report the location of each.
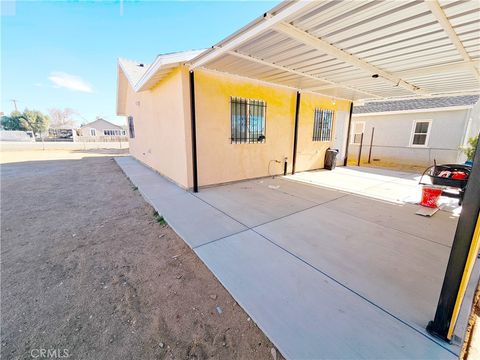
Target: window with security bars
(420, 133)
(247, 120)
(322, 125)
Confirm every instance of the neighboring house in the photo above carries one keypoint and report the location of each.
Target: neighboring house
(100, 128)
(244, 128)
(416, 131)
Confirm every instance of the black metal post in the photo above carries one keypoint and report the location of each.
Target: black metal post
(360, 151)
(295, 135)
(371, 144)
(194, 131)
(285, 165)
(345, 161)
(459, 256)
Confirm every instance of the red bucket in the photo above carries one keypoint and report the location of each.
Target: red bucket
(430, 196)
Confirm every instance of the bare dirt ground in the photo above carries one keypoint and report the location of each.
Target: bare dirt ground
(86, 268)
(416, 169)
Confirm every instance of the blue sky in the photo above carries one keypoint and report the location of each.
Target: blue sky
(62, 54)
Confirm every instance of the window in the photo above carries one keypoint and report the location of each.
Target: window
(131, 128)
(420, 132)
(357, 131)
(247, 120)
(322, 125)
(93, 132)
(124, 132)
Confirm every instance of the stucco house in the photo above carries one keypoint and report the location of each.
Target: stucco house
(244, 128)
(101, 128)
(272, 97)
(414, 131)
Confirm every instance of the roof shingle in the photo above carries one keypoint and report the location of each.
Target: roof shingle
(416, 104)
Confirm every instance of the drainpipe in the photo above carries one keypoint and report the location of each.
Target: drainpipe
(345, 161)
(194, 131)
(295, 135)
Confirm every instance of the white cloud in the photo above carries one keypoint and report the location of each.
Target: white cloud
(71, 82)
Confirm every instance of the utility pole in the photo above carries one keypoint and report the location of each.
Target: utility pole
(14, 101)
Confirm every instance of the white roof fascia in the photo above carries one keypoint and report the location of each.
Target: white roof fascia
(162, 60)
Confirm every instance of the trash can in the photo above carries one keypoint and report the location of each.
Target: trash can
(330, 159)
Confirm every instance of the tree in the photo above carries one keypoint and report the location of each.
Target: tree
(29, 120)
(62, 118)
(11, 122)
(469, 150)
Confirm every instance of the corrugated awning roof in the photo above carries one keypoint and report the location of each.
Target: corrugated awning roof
(416, 104)
(358, 49)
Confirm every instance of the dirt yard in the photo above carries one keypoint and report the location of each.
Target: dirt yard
(88, 271)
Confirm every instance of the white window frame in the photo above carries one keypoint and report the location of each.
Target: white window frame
(412, 133)
(352, 134)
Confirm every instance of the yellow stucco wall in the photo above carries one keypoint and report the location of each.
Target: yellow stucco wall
(163, 128)
(162, 133)
(311, 154)
(220, 161)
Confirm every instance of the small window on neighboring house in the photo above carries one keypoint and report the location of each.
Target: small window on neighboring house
(247, 120)
(124, 133)
(322, 125)
(93, 132)
(131, 128)
(357, 131)
(420, 133)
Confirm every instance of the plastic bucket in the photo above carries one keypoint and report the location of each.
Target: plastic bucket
(430, 196)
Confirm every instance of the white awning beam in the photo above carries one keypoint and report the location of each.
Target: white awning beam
(442, 19)
(322, 45)
(438, 69)
(267, 23)
(330, 85)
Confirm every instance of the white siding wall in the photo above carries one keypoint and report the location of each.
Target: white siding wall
(391, 143)
(340, 139)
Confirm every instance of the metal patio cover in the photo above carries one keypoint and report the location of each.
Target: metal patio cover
(358, 49)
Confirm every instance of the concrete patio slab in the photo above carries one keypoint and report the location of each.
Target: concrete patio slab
(194, 220)
(259, 201)
(390, 185)
(402, 217)
(309, 315)
(324, 273)
(397, 271)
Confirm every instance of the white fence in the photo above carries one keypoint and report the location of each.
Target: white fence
(62, 145)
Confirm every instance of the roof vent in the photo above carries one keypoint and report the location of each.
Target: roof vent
(141, 65)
